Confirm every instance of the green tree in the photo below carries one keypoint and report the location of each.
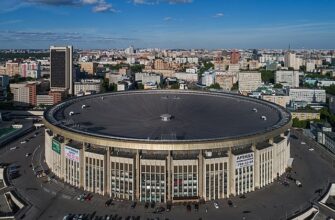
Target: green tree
(137, 68)
(268, 76)
(278, 86)
(299, 124)
(235, 86)
(205, 66)
(215, 86)
(175, 86)
(330, 89)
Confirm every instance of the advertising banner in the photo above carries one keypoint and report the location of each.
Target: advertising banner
(71, 153)
(244, 160)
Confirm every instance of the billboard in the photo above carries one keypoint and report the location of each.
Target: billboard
(244, 160)
(71, 153)
(56, 146)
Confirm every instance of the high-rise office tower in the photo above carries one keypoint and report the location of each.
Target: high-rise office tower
(61, 77)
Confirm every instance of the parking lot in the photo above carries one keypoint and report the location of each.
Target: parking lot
(54, 199)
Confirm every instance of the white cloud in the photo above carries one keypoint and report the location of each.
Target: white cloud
(152, 2)
(98, 5)
(90, 2)
(218, 15)
(102, 6)
(168, 19)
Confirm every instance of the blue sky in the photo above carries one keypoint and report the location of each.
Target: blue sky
(167, 23)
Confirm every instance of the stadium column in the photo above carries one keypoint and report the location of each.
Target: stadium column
(169, 181)
(274, 161)
(201, 176)
(82, 166)
(137, 180)
(108, 173)
(231, 179)
(256, 167)
(63, 161)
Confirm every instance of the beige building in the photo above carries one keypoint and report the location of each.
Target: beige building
(306, 115)
(225, 81)
(12, 68)
(89, 67)
(249, 81)
(282, 100)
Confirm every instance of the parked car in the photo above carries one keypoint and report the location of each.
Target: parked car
(159, 209)
(196, 207)
(133, 205)
(188, 207)
(108, 202)
(168, 207)
(230, 203)
(146, 205)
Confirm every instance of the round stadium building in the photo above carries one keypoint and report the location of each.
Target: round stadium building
(167, 145)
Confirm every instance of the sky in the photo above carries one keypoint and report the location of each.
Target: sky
(170, 24)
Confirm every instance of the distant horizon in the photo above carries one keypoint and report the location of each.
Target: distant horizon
(105, 24)
(187, 49)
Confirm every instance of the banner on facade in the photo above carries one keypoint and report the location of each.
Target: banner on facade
(71, 153)
(55, 146)
(244, 160)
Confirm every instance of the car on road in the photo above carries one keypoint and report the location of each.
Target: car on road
(13, 148)
(311, 149)
(196, 207)
(168, 207)
(230, 203)
(303, 143)
(242, 196)
(88, 197)
(159, 209)
(216, 205)
(22, 142)
(133, 205)
(298, 183)
(108, 202)
(68, 216)
(153, 204)
(188, 207)
(146, 205)
(28, 154)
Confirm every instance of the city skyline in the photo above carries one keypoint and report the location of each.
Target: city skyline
(104, 24)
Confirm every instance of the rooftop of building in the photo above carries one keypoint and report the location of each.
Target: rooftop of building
(194, 115)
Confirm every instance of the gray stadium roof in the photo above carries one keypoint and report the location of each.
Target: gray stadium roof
(194, 115)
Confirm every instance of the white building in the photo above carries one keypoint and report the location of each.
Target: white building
(189, 77)
(208, 78)
(129, 50)
(234, 68)
(290, 60)
(330, 141)
(122, 86)
(326, 83)
(86, 85)
(310, 66)
(308, 95)
(30, 69)
(148, 78)
(287, 78)
(249, 81)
